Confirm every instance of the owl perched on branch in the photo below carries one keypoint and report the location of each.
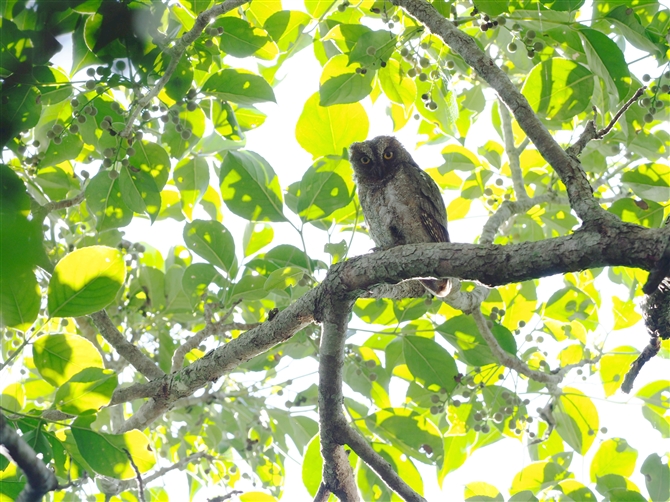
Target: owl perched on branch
(401, 203)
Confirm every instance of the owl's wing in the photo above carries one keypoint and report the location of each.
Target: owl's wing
(433, 212)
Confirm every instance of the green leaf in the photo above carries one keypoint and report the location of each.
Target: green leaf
(628, 23)
(563, 5)
(651, 181)
(492, 7)
(256, 237)
(107, 454)
(88, 390)
(430, 363)
(240, 39)
(576, 419)
(59, 357)
(69, 149)
(212, 241)
(330, 130)
(558, 89)
(191, 176)
(411, 434)
(20, 298)
(239, 86)
(647, 212)
(181, 80)
(152, 159)
(538, 475)
(250, 188)
(383, 43)
(85, 281)
(656, 477)
(397, 86)
(462, 332)
(608, 62)
(104, 198)
(196, 279)
(312, 466)
(482, 492)
(325, 187)
(341, 84)
(249, 287)
(139, 191)
(615, 456)
(371, 485)
(656, 406)
(283, 278)
(318, 8)
(19, 111)
(285, 27)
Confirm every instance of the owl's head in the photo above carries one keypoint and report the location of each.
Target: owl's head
(377, 158)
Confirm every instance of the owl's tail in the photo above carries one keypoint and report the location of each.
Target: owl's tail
(438, 287)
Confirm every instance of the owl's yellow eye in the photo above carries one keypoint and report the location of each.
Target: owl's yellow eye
(388, 155)
(365, 160)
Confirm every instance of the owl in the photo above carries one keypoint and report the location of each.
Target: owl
(401, 203)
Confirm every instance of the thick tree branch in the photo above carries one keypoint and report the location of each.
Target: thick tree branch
(125, 349)
(39, 479)
(568, 168)
(338, 477)
(176, 54)
(620, 244)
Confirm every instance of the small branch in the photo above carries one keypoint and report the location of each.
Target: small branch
(180, 464)
(125, 349)
(228, 496)
(381, 466)
(39, 479)
(176, 54)
(590, 132)
(138, 476)
(63, 204)
(512, 153)
(649, 351)
(210, 329)
(508, 209)
(511, 361)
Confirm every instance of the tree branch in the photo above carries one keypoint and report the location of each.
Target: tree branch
(512, 153)
(39, 479)
(176, 54)
(619, 244)
(338, 477)
(508, 209)
(125, 349)
(568, 168)
(590, 132)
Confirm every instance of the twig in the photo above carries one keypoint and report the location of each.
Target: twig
(176, 54)
(39, 479)
(125, 349)
(228, 496)
(508, 209)
(590, 131)
(179, 465)
(138, 476)
(209, 330)
(65, 203)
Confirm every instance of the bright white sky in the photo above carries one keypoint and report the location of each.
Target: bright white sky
(496, 464)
